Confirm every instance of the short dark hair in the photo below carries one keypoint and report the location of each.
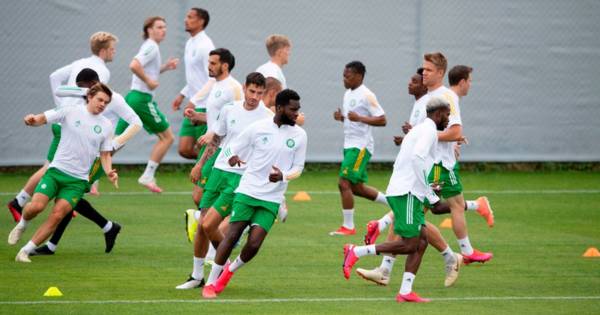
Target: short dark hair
(458, 73)
(203, 14)
(256, 78)
(284, 97)
(225, 56)
(420, 71)
(87, 75)
(358, 67)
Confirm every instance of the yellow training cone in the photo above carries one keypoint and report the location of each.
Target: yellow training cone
(53, 291)
(446, 224)
(302, 196)
(591, 252)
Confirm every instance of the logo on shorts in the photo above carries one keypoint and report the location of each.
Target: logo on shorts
(44, 186)
(218, 94)
(224, 208)
(74, 199)
(290, 143)
(352, 103)
(97, 129)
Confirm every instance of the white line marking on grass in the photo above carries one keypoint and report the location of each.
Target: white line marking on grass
(303, 300)
(335, 192)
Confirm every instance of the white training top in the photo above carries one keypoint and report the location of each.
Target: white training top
(419, 111)
(362, 101)
(149, 58)
(68, 74)
(196, 53)
(234, 119)
(445, 149)
(410, 173)
(263, 145)
(222, 92)
(83, 136)
(271, 69)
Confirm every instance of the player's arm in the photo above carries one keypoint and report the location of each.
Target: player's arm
(106, 158)
(171, 64)
(419, 156)
(125, 112)
(35, 120)
(298, 164)
(70, 91)
(452, 133)
(47, 117)
(376, 117)
(138, 69)
(57, 78)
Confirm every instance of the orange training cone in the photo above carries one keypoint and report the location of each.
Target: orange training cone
(591, 252)
(446, 224)
(302, 196)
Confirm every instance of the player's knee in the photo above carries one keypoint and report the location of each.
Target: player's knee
(344, 185)
(36, 207)
(186, 153)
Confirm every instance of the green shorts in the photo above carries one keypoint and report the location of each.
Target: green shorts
(62, 186)
(207, 167)
(450, 180)
(189, 130)
(256, 211)
(219, 191)
(408, 215)
(354, 165)
(56, 131)
(96, 171)
(153, 119)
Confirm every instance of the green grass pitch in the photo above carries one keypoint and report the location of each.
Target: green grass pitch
(544, 223)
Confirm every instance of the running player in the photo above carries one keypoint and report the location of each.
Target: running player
(85, 133)
(274, 151)
(361, 111)
(279, 48)
(146, 67)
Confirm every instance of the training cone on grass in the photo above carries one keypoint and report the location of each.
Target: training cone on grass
(446, 224)
(53, 292)
(591, 252)
(302, 196)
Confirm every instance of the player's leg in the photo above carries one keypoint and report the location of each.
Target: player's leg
(37, 204)
(413, 262)
(187, 140)
(50, 247)
(381, 275)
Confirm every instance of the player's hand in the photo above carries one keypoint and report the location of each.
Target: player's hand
(188, 112)
(235, 160)
(300, 119)
(406, 127)
(113, 177)
(462, 140)
(276, 175)
(205, 139)
(456, 150)
(437, 187)
(398, 140)
(337, 115)
(177, 102)
(29, 119)
(171, 63)
(196, 173)
(152, 84)
(353, 116)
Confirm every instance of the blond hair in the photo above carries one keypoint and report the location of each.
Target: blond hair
(101, 40)
(438, 60)
(275, 42)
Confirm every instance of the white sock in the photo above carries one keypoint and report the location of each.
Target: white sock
(197, 214)
(472, 205)
(23, 223)
(365, 250)
(384, 222)
(215, 272)
(449, 257)
(211, 252)
(198, 271)
(29, 247)
(381, 199)
(387, 263)
(465, 246)
(407, 281)
(51, 246)
(22, 198)
(107, 227)
(236, 264)
(348, 218)
(150, 169)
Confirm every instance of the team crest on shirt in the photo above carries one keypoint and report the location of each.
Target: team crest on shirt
(218, 94)
(290, 143)
(265, 140)
(232, 121)
(352, 103)
(97, 129)
(78, 123)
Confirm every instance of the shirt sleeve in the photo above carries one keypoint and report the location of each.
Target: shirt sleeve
(374, 108)
(70, 91)
(298, 164)
(420, 153)
(57, 78)
(453, 100)
(147, 54)
(107, 145)
(120, 107)
(241, 142)
(56, 115)
(221, 123)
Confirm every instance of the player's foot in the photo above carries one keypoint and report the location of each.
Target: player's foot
(452, 270)
(15, 235)
(150, 183)
(349, 260)
(41, 251)
(223, 279)
(485, 210)
(190, 283)
(372, 232)
(411, 297)
(208, 292)
(343, 231)
(22, 256)
(111, 236)
(477, 256)
(375, 275)
(15, 210)
(282, 213)
(191, 225)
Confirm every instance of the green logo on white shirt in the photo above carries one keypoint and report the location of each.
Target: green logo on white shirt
(97, 129)
(219, 92)
(233, 121)
(290, 143)
(78, 123)
(352, 103)
(265, 140)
